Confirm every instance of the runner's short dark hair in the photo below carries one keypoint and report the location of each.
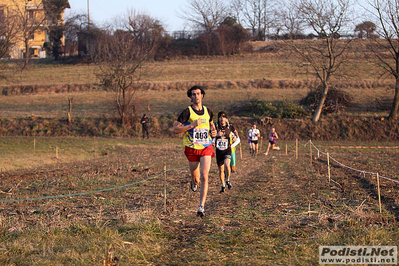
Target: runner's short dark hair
(222, 113)
(189, 91)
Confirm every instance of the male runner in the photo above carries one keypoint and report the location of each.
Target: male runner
(196, 124)
(223, 142)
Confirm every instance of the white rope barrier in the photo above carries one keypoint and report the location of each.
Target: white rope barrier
(351, 168)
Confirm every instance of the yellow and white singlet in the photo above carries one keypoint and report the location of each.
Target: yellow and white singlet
(198, 137)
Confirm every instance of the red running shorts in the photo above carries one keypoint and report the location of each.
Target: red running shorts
(194, 155)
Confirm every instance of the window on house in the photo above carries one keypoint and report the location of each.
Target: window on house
(31, 15)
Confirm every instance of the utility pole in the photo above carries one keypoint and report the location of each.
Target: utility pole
(88, 14)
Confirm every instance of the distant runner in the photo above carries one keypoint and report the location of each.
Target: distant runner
(254, 135)
(224, 138)
(273, 137)
(196, 124)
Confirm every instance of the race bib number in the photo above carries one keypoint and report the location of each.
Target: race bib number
(201, 136)
(222, 144)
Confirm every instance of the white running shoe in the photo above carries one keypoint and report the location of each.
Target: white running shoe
(201, 211)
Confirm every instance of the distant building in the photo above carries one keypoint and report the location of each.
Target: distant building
(33, 27)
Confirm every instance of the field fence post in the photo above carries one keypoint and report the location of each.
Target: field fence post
(240, 152)
(296, 149)
(164, 190)
(328, 167)
(286, 149)
(34, 144)
(379, 192)
(70, 110)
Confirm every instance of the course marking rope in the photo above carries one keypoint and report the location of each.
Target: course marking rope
(351, 168)
(88, 192)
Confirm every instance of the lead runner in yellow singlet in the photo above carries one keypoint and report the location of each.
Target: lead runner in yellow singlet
(196, 124)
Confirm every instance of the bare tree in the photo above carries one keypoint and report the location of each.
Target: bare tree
(258, 15)
(75, 25)
(30, 19)
(387, 50)
(290, 20)
(236, 7)
(9, 30)
(121, 55)
(327, 19)
(205, 14)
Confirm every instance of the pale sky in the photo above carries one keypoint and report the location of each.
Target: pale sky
(105, 10)
(166, 11)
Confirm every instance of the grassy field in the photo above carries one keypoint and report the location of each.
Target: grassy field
(101, 103)
(282, 64)
(279, 211)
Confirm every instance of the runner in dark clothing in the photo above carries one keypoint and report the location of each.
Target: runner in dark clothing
(225, 137)
(144, 123)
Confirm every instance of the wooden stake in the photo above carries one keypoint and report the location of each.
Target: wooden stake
(379, 192)
(261, 141)
(310, 151)
(164, 190)
(296, 149)
(34, 144)
(240, 152)
(56, 152)
(286, 149)
(328, 167)
(70, 111)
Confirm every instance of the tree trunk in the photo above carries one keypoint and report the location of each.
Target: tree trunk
(394, 110)
(319, 109)
(26, 52)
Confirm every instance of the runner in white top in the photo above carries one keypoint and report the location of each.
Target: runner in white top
(254, 135)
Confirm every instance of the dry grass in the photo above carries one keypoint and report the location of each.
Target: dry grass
(96, 104)
(282, 64)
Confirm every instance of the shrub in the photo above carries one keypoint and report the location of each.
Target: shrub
(337, 100)
(284, 109)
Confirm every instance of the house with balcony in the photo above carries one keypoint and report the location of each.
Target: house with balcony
(33, 20)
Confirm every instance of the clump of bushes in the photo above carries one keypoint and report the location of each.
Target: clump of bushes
(284, 109)
(337, 100)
